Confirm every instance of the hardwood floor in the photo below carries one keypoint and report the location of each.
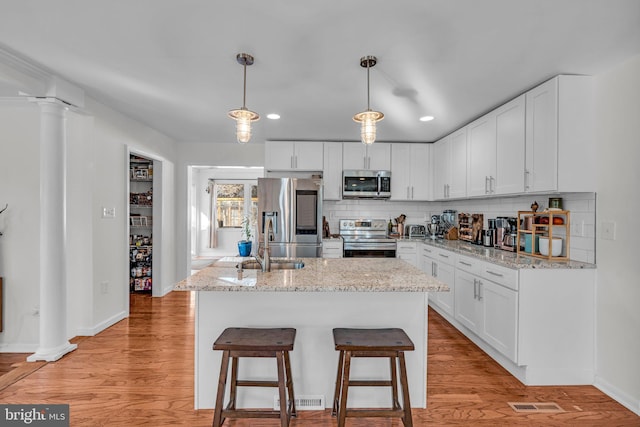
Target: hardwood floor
(140, 372)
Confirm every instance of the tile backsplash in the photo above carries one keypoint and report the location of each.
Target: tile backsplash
(581, 205)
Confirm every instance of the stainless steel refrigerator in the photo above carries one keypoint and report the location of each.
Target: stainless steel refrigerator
(293, 206)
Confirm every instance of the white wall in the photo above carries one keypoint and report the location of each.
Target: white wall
(204, 154)
(227, 237)
(113, 135)
(20, 224)
(97, 173)
(618, 291)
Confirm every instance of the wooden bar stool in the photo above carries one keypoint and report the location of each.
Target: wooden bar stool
(255, 342)
(391, 343)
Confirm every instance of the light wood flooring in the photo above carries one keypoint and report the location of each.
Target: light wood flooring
(139, 372)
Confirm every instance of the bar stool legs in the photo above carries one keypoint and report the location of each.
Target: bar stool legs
(389, 343)
(255, 342)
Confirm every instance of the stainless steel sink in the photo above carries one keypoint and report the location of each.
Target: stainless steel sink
(276, 264)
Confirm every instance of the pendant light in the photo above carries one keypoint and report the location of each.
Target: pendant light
(243, 116)
(368, 118)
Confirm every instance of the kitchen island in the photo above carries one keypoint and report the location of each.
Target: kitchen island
(324, 294)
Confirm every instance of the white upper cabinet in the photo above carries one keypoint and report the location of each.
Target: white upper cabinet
(450, 166)
(542, 138)
(332, 171)
(560, 136)
(356, 156)
(457, 185)
(441, 167)
(510, 132)
(481, 148)
(410, 171)
(496, 151)
(292, 155)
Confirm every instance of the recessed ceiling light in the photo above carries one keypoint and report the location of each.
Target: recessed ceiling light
(273, 116)
(426, 118)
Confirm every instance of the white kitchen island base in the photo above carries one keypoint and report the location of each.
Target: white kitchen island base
(314, 359)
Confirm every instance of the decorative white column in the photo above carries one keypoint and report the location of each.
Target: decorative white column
(53, 285)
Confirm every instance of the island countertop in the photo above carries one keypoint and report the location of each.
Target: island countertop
(317, 275)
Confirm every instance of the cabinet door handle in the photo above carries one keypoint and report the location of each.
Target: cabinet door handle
(434, 267)
(407, 192)
(527, 177)
(291, 161)
(494, 273)
(475, 288)
(448, 191)
(480, 290)
(444, 256)
(296, 162)
(465, 263)
(492, 186)
(486, 185)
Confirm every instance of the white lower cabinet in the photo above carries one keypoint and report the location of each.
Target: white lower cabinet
(537, 323)
(332, 248)
(408, 252)
(440, 264)
(487, 307)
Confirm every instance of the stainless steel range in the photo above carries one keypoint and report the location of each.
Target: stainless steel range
(366, 238)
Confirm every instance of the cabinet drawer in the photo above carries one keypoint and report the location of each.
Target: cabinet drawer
(439, 255)
(406, 247)
(429, 251)
(500, 275)
(470, 265)
(332, 245)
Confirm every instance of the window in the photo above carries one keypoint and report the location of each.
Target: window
(235, 200)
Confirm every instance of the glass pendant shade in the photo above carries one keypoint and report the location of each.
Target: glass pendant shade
(243, 118)
(368, 121)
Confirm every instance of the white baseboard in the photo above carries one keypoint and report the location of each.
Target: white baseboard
(18, 348)
(625, 399)
(166, 290)
(89, 332)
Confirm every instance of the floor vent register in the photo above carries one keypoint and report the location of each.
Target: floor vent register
(304, 403)
(532, 407)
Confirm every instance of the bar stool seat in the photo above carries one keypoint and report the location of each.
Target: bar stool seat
(391, 343)
(255, 342)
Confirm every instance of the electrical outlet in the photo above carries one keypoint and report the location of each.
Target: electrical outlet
(109, 213)
(577, 228)
(608, 230)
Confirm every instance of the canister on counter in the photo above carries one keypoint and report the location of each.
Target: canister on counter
(555, 203)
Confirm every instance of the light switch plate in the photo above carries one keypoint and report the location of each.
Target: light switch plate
(608, 230)
(109, 213)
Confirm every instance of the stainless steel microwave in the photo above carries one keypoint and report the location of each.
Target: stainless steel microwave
(366, 184)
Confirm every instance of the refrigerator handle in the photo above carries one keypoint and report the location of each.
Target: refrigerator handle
(273, 216)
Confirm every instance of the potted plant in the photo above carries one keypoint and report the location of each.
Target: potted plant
(244, 246)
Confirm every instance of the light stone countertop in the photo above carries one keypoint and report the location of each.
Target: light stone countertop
(318, 275)
(500, 257)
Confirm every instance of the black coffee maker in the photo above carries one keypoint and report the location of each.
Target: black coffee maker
(489, 235)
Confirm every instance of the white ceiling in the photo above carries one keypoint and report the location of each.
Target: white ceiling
(172, 63)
